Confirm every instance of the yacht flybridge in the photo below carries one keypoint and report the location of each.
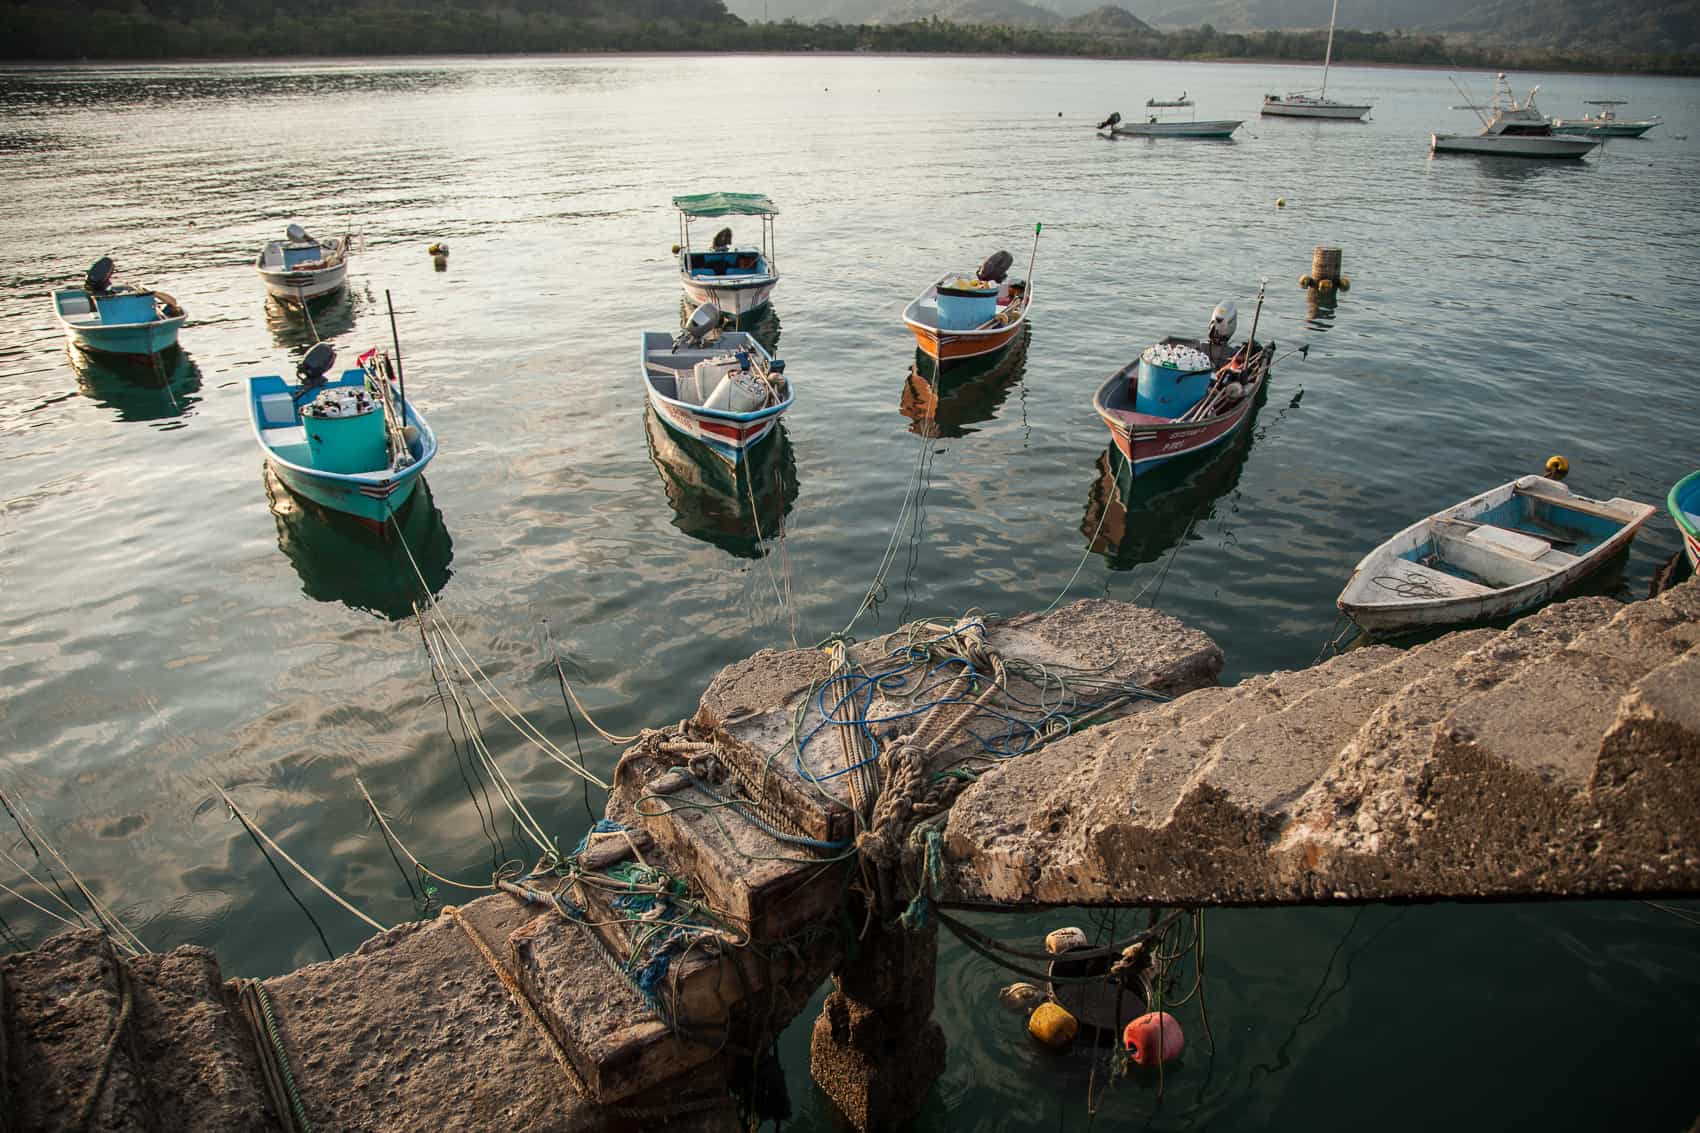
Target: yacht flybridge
(1301, 104)
(1517, 129)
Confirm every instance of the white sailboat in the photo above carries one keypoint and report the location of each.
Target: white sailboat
(1301, 104)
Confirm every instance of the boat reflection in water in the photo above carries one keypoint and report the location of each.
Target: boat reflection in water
(161, 388)
(1136, 519)
(968, 393)
(341, 559)
(331, 315)
(712, 500)
(761, 325)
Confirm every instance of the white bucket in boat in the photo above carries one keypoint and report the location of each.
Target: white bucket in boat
(732, 388)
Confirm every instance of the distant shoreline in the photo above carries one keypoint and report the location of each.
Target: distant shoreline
(610, 53)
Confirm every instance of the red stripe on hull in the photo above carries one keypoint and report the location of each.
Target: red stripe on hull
(1140, 445)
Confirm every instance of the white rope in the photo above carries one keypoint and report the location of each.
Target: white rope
(103, 914)
(492, 695)
(1103, 512)
(284, 854)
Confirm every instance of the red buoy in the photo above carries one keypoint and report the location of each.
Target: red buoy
(1154, 1037)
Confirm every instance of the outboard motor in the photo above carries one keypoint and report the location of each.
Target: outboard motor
(1112, 121)
(315, 364)
(99, 279)
(996, 268)
(1224, 321)
(704, 321)
(722, 240)
(296, 233)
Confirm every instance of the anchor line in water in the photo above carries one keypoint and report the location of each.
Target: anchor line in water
(284, 854)
(785, 597)
(105, 919)
(475, 675)
(425, 870)
(486, 812)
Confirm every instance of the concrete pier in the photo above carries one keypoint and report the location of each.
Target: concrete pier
(1557, 758)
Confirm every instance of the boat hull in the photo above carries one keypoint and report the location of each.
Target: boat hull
(1220, 129)
(372, 503)
(297, 286)
(1335, 111)
(1609, 130)
(745, 297)
(136, 340)
(728, 439)
(1503, 145)
(1684, 505)
(947, 346)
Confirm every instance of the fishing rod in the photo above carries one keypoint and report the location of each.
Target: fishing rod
(1468, 100)
(400, 377)
(1038, 226)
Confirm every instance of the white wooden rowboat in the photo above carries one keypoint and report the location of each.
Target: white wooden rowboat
(1496, 554)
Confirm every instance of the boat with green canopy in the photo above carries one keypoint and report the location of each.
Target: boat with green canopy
(738, 279)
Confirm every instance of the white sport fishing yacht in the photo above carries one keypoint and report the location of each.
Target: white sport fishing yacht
(1517, 129)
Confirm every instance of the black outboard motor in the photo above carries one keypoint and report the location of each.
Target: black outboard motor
(1112, 121)
(995, 269)
(722, 240)
(315, 364)
(99, 279)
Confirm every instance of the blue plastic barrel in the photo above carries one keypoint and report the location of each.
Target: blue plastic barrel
(348, 444)
(1168, 389)
(964, 308)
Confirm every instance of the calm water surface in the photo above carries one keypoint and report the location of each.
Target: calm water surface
(169, 617)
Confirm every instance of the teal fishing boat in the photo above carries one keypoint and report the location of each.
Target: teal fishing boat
(1684, 504)
(108, 319)
(353, 444)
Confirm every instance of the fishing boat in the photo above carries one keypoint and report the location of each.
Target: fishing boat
(1156, 126)
(299, 267)
(1496, 554)
(1517, 129)
(108, 319)
(1302, 104)
(965, 316)
(718, 387)
(1684, 505)
(1605, 123)
(353, 444)
(738, 279)
(1181, 395)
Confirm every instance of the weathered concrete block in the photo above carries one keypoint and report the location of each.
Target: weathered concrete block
(875, 1073)
(619, 1046)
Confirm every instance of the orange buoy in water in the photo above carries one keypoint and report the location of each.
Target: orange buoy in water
(1152, 1037)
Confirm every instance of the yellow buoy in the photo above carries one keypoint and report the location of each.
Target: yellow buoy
(1280, 202)
(1306, 282)
(1325, 285)
(1052, 1025)
(1557, 468)
(675, 249)
(438, 249)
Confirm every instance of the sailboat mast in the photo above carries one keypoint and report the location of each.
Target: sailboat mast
(1328, 55)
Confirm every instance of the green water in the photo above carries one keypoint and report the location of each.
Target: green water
(169, 617)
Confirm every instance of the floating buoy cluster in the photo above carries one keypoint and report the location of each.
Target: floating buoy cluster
(1149, 1040)
(1325, 273)
(439, 255)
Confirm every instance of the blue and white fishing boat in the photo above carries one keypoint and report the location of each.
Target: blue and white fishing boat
(1684, 505)
(353, 444)
(105, 319)
(720, 388)
(1499, 553)
(738, 279)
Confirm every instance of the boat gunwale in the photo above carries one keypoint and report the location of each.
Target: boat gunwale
(1683, 518)
(969, 334)
(1263, 359)
(84, 328)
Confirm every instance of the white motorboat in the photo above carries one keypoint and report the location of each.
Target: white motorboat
(1605, 123)
(298, 267)
(1302, 104)
(738, 280)
(1156, 127)
(1496, 554)
(1517, 129)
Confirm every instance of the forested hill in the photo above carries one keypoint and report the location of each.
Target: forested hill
(1650, 40)
(152, 29)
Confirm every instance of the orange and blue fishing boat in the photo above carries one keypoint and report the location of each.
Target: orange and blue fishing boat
(1181, 396)
(1684, 505)
(974, 315)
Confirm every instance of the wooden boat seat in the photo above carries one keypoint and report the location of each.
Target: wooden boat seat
(1512, 542)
